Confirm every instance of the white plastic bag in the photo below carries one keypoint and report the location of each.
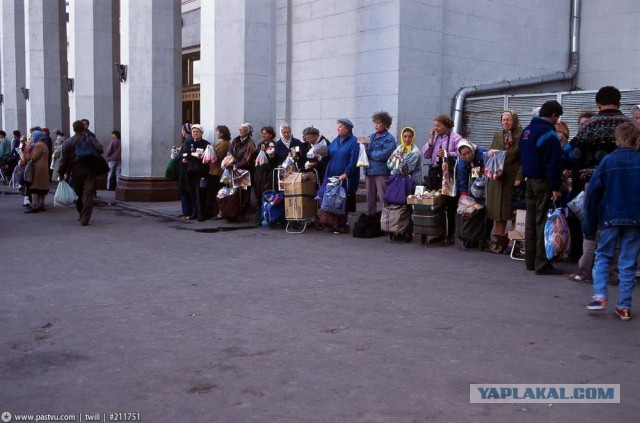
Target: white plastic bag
(227, 177)
(64, 196)
(262, 158)
(363, 160)
(209, 155)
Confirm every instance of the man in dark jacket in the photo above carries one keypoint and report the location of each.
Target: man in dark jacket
(82, 177)
(540, 156)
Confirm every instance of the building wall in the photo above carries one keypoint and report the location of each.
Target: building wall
(191, 28)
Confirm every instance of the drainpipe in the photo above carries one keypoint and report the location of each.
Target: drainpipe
(569, 74)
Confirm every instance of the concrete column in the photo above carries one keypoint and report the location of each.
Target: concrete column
(14, 107)
(46, 62)
(240, 60)
(91, 65)
(150, 48)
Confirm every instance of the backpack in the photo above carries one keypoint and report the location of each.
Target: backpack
(88, 157)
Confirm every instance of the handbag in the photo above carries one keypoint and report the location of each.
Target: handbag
(398, 189)
(27, 176)
(90, 158)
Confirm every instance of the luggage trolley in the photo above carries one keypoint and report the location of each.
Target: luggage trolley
(300, 204)
(430, 218)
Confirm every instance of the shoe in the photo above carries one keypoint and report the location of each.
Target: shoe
(549, 270)
(577, 278)
(31, 210)
(598, 304)
(623, 313)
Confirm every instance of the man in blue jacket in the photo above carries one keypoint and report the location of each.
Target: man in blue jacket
(612, 205)
(540, 156)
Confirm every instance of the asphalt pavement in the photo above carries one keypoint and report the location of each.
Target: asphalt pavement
(141, 312)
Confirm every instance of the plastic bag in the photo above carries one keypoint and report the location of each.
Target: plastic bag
(27, 176)
(225, 192)
(334, 200)
(468, 206)
(226, 177)
(289, 164)
(262, 158)
(241, 178)
(65, 195)
(363, 160)
(209, 155)
(477, 189)
(577, 205)
(494, 164)
(556, 234)
(172, 170)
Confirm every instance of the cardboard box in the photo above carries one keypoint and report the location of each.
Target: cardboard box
(299, 196)
(434, 201)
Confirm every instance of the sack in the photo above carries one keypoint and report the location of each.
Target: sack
(173, 169)
(519, 197)
(398, 189)
(477, 189)
(65, 195)
(334, 200)
(557, 238)
(27, 176)
(363, 160)
(577, 205)
(468, 206)
(367, 226)
(272, 207)
(88, 156)
(395, 218)
(226, 177)
(494, 164)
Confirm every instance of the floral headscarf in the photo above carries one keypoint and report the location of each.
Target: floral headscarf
(510, 136)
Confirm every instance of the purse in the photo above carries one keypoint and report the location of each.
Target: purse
(398, 189)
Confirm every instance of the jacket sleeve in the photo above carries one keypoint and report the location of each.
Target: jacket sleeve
(427, 150)
(592, 199)
(64, 160)
(463, 176)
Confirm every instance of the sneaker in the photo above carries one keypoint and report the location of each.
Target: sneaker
(598, 304)
(623, 313)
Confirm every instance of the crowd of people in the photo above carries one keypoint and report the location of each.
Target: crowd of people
(540, 164)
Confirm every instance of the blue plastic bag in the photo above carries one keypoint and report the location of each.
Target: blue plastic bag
(272, 207)
(334, 199)
(556, 234)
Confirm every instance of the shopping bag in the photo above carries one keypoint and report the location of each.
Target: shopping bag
(27, 176)
(65, 195)
(173, 168)
(363, 160)
(494, 164)
(262, 159)
(468, 206)
(556, 234)
(226, 177)
(478, 187)
(334, 200)
(209, 155)
(241, 178)
(577, 205)
(398, 189)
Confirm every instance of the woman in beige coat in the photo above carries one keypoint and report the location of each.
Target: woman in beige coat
(39, 156)
(499, 191)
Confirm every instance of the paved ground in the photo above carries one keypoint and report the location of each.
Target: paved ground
(140, 312)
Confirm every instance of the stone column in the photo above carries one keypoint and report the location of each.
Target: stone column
(150, 48)
(238, 61)
(14, 108)
(91, 65)
(46, 62)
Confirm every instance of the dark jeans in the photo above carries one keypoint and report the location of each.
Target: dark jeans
(538, 198)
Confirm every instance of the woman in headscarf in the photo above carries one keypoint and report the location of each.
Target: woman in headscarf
(241, 153)
(500, 190)
(39, 156)
(407, 158)
(288, 145)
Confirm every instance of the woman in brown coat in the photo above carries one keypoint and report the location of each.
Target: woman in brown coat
(39, 156)
(500, 190)
(223, 136)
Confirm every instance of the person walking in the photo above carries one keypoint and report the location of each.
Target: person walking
(83, 179)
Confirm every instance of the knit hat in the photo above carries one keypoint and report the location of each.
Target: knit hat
(466, 143)
(187, 128)
(346, 122)
(197, 126)
(562, 128)
(310, 131)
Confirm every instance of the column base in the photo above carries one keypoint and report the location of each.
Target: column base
(146, 189)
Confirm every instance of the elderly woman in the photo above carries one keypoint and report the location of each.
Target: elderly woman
(470, 157)
(342, 154)
(379, 148)
(241, 154)
(183, 178)
(407, 158)
(499, 191)
(288, 145)
(38, 153)
(197, 173)
(635, 113)
(223, 136)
